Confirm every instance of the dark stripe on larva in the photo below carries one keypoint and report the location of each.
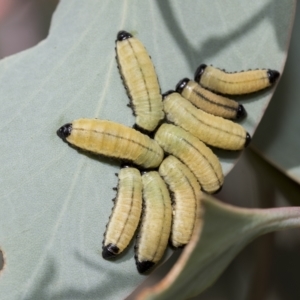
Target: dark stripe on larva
(208, 125)
(239, 82)
(161, 232)
(195, 197)
(116, 136)
(191, 145)
(213, 102)
(129, 213)
(143, 75)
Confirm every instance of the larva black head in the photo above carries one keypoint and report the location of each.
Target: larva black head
(273, 76)
(164, 95)
(110, 251)
(199, 72)
(144, 266)
(64, 131)
(181, 85)
(123, 35)
(241, 112)
(248, 140)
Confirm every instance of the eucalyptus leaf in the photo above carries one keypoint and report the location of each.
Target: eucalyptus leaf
(55, 202)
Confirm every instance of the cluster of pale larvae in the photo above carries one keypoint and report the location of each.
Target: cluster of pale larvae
(167, 161)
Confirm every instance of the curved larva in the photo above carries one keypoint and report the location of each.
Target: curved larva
(186, 197)
(126, 213)
(140, 80)
(238, 83)
(155, 226)
(113, 140)
(210, 102)
(210, 129)
(194, 154)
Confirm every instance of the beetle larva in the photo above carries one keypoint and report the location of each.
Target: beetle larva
(237, 83)
(140, 80)
(126, 213)
(194, 154)
(210, 102)
(113, 140)
(186, 197)
(210, 129)
(155, 227)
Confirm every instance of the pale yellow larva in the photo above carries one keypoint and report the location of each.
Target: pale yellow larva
(113, 140)
(156, 221)
(194, 154)
(210, 102)
(186, 199)
(210, 129)
(126, 213)
(140, 80)
(237, 83)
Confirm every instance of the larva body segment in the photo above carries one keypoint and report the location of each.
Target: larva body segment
(140, 80)
(210, 129)
(210, 102)
(126, 213)
(113, 140)
(155, 226)
(203, 163)
(186, 197)
(237, 83)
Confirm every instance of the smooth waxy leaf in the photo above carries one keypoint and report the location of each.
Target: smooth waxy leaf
(55, 202)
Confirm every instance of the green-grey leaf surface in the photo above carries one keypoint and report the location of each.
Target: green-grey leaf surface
(55, 202)
(277, 137)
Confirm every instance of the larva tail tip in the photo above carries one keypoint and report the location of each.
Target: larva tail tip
(218, 190)
(123, 35)
(241, 112)
(168, 93)
(181, 85)
(199, 72)
(110, 251)
(248, 140)
(273, 76)
(144, 266)
(64, 131)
